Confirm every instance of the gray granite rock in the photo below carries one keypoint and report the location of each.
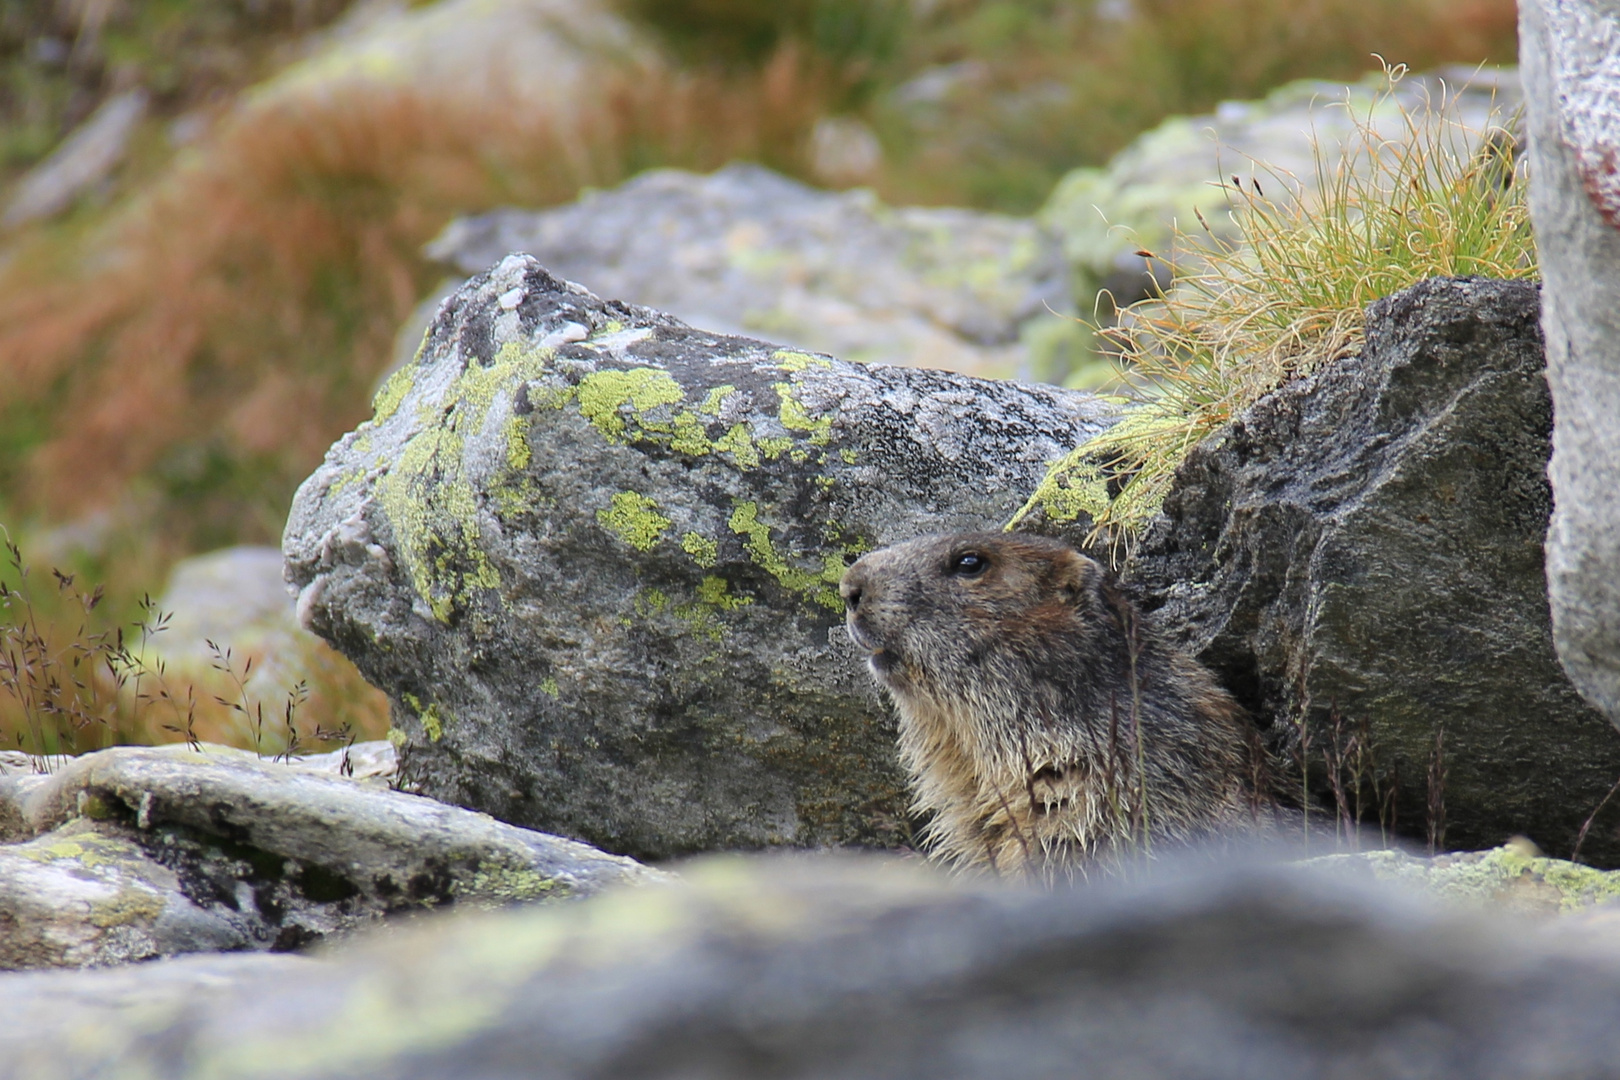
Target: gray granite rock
(133, 853)
(1366, 545)
(591, 554)
(747, 251)
(822, 968)
(1572, 82)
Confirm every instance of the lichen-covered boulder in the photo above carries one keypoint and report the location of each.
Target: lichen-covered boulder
(748, 251)
(1359, 558)
(133, 853)
(591, 553)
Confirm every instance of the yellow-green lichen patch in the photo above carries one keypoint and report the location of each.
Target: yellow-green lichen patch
(602, 393)
(704, 552)
(793, 360)
(388, 399)
(739, 443)
(397, 738)
(703, 616)
(433, 511)
(775, 447)
(635, 519)
(716, 399)
(691, 435)
(1066, 492)
(549, 687)
(431, 724)
(498, 886)
(847, 455)
(793, 416)
(756, 536)
(426, 495)
(1515, 876)
(518, 451)
(83, 846)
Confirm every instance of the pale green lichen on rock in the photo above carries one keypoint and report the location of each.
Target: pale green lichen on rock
(502, 885)
(518, 451)
(739, 443)
(745, 522)
(704, 552)
(392, 393)
(634, 518)
(716, 399)
(426, 495)
(794, 417)
(793, 360)
(431, 724)
(549, 687)
(1514, 874)
(1069, 489)
(601, 394)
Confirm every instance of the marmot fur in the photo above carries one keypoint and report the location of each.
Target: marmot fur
(1043, 724)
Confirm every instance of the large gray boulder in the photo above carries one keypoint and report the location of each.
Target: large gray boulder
(591, 553)
(823, 968)
(1361, 553)
(1572, 86)
(748, 251)
(135, 853)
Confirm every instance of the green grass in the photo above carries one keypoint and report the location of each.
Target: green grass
(1287, 295)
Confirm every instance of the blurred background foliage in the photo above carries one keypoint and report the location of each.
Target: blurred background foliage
(179, 345)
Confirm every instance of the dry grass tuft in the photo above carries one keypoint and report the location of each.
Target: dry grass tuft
(228, 326)
(1433, 199)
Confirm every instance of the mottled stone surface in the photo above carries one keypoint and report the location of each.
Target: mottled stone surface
(591, 553)
(1366, 544)
(128, 854)
(1571, 56)
(748, 251)
(822, 968)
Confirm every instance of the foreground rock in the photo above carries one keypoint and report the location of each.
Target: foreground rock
(591, 553)
(747, 251)
(1573, 106)
(1362, 549)
(129, 854)
(827, 968)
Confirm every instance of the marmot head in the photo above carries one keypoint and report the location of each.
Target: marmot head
(976, 607)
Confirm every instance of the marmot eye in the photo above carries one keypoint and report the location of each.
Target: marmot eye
(969, 564)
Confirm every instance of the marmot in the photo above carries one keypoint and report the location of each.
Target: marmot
(1043, 724)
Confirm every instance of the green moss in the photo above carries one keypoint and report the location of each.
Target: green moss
(704, 552)
(635, 519)
(602, 393)
(756, 536)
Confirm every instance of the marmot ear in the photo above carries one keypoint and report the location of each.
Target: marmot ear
(1074, 576)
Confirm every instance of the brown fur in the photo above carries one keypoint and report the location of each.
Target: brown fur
(1044, 726)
